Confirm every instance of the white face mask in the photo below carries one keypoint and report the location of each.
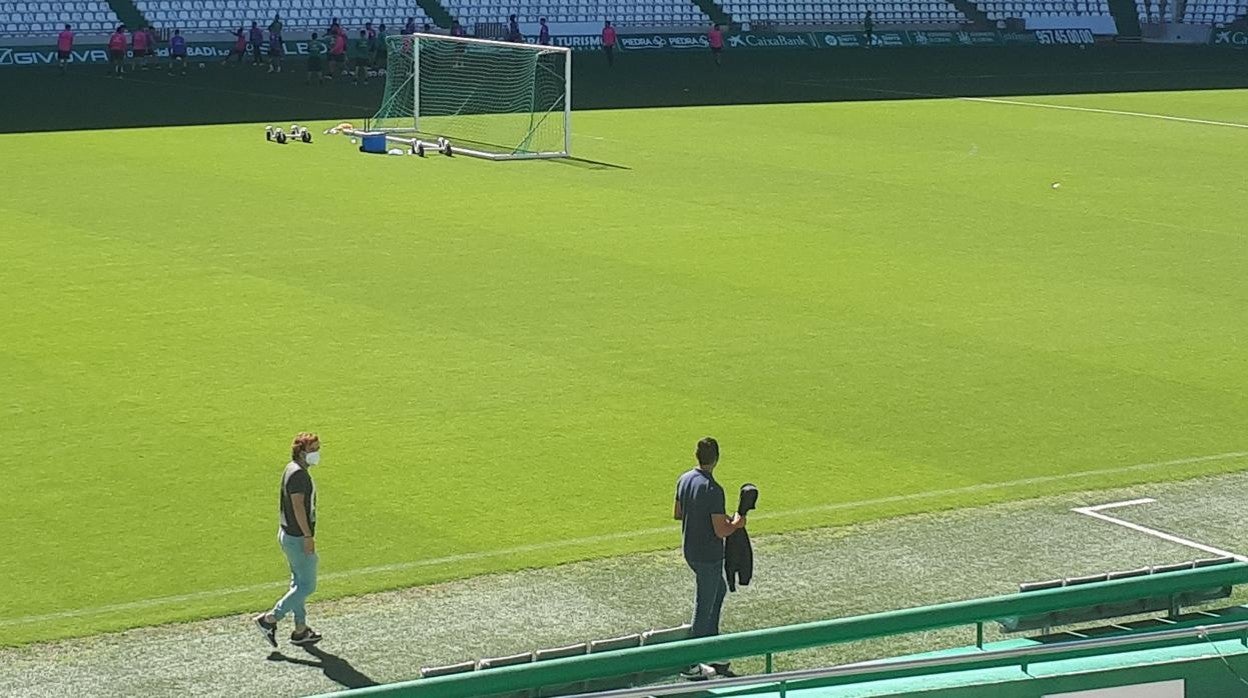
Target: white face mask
(312, 458)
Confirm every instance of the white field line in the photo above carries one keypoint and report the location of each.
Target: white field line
(1094, 110)
(1095, 512)
(1049, 105)
(590, 540)
(1116, 505)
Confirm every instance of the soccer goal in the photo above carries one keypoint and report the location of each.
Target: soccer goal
(490, 99)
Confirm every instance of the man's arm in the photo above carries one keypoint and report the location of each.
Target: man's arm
(301, 518)
(678, 513)
(724, 526)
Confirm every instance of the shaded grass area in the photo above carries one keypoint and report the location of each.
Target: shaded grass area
(801, 576)
(41, 99)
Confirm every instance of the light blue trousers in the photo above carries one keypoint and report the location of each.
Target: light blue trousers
(302, 579)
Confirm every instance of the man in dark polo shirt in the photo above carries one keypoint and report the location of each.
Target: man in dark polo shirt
(296, 534)
(704, 525)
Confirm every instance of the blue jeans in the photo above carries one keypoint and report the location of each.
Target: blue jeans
(708, 598)
(302, 578)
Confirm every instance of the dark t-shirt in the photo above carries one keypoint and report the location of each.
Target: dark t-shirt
(700, 497)
(296, 480)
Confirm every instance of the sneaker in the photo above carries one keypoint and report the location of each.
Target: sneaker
(307, 638)
(723, 669)
(267, 629)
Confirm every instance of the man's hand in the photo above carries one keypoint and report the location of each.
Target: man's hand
(309, 545)
(725, 526)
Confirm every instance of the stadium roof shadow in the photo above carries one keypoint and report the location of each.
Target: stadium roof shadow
(40, 99)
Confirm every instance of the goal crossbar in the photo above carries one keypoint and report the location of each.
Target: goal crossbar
(540, 48)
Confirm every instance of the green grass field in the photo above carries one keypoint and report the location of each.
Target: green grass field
(878, 307)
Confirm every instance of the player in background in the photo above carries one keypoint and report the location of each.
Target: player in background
(240, 47)
(608, 42)
(868, 29)
(715, 39)
(275, 27)
(151, 42)
(316, 60)
(513, 30)
(255, 36)
(409, 28)
(64, 47)
(117, 51)
(333, 29)
(275, 52)
(379, 49)
(337, 53)
(461, 49)
(177, 52)
(359, 58)
(372, 43)
(138, 49)
(543, 32)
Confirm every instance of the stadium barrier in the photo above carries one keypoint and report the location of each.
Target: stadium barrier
(218, 50)
(769, 641)
(1229, 38)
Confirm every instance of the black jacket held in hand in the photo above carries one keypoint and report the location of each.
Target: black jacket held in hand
(738, 552)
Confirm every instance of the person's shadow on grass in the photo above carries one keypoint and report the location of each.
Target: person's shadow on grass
(335, 668)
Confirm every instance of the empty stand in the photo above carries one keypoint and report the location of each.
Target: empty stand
(884, 13)
(297, 15)
(25, 18)
(1001, 9)
(637, 13)
(1213, 12)
(1152, 12)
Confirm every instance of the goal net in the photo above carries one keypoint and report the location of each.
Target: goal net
(492, 99)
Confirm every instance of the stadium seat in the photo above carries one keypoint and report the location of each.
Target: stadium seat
(661, 635)
(509, 660)
(615, 643)
(446, 670)
(561, 652)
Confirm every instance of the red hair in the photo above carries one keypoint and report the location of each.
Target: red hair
(300, 445)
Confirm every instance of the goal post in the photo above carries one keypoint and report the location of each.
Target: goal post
(493, 99)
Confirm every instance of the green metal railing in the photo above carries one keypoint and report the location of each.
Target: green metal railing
(769, 641)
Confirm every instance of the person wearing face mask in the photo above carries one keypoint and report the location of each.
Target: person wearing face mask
(296, 535)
